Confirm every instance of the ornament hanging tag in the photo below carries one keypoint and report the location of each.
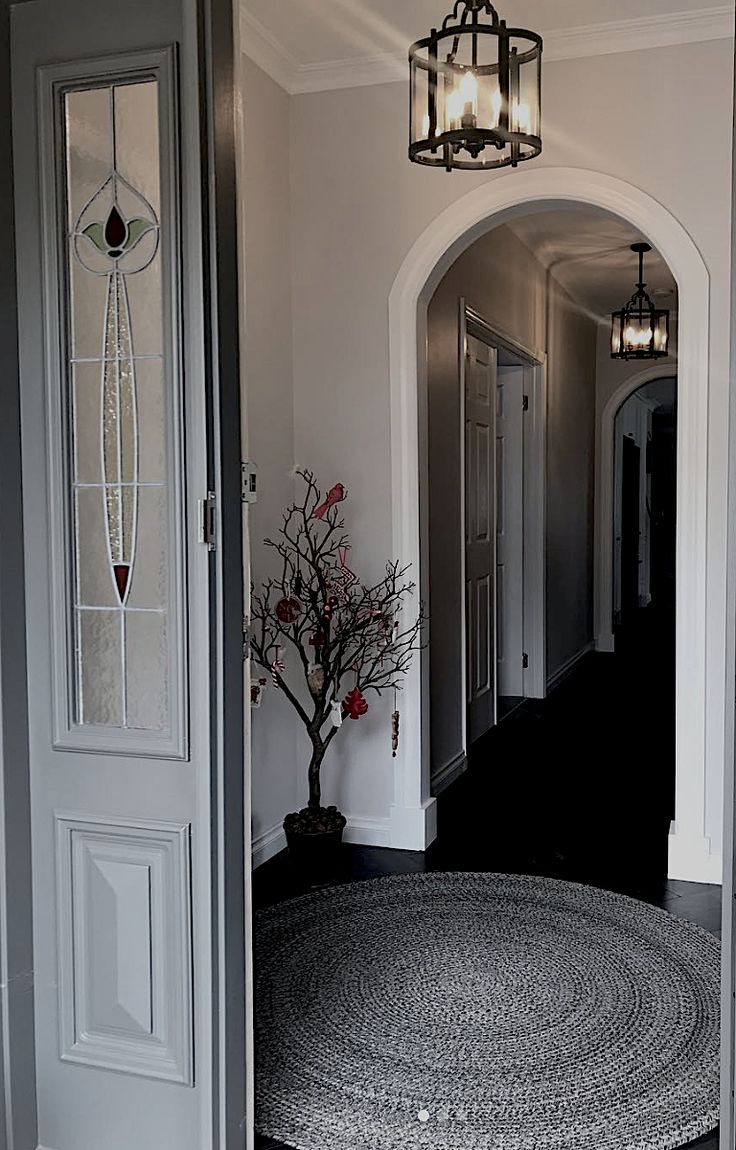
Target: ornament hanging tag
(257, 688)
(336, 713)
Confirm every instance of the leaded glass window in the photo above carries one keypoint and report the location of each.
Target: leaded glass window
(117, 407)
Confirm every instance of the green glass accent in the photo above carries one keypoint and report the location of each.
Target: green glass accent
(96, 233)
(136, 229)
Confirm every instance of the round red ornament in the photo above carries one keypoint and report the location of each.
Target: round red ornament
(288, 609)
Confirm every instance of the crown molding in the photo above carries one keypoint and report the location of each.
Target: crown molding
(261, 46)
(638, 34)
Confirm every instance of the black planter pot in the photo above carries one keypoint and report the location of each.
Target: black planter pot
(316, 855)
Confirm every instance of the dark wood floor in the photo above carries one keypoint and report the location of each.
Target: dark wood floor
(580, 786)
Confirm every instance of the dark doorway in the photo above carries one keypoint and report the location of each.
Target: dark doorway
(645, 523)
(630, 527)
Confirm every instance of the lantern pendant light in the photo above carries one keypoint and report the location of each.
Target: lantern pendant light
(476, 92)
(640, 330)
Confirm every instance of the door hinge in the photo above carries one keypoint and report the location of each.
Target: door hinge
(525, 661)
(208, 521)
(249, 483)
(246, 641)
(525, 403)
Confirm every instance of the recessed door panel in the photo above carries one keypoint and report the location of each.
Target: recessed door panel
(510, 531)
(480, 367)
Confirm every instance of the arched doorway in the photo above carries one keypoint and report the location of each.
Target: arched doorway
(434, 251)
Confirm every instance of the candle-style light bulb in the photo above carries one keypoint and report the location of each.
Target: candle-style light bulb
(469, 93)
(455, 107)
(521, 117)
(496, 103)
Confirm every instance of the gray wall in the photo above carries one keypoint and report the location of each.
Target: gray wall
(270, 403)
(501, 280)
(571, 351)
(358, 207)
(18, 1115)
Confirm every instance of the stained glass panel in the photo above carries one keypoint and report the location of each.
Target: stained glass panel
(119, 470)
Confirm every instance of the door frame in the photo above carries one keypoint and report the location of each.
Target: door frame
(604, 495)
(701, 686)
(535, 501)
(18, 1118)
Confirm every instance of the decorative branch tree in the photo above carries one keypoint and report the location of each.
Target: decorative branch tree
(343, 633)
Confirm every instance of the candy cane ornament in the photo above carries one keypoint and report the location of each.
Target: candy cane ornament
(277, 667)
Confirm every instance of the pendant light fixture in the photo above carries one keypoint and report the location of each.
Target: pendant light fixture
(476, 92)
(640, 330)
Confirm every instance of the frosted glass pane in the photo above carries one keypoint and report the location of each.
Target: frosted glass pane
(144, 298)
(150, 570)
(87, 390)
(101, 695)
(95, 585)
(89, 299)
(147, 666)
(89, 145)
(137, 139)
(118, 406)
(151, 420)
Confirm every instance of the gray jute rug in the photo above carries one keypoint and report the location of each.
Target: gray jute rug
(484, 1012)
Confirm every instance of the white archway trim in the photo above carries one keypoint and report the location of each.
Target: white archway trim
(604, 497)
(434, 251)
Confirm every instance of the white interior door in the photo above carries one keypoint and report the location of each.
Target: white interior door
(510, 530)
(480, 371)
(122, 651)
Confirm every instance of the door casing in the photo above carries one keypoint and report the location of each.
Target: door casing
(534, 611)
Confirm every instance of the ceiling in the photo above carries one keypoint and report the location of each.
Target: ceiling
(317, 44)
(588, 252)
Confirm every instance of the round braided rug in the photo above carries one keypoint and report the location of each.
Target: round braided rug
(484, 1012)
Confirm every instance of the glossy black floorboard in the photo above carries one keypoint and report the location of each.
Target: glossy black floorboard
(579, 786)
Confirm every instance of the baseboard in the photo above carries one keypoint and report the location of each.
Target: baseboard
(567, 668)
(690, 859)
(267, 844)
(414, 828)
(368, 832)
(411, 830)
(446, 775)
(606, 643)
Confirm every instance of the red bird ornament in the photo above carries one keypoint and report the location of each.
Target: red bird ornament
(354, 704)
(335, 495)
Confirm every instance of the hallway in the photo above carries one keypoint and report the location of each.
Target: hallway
(581, 785)
(578, 786)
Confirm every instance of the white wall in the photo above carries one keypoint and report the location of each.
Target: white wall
(269, 414)
(502, 281)
(571, 349)
(357, 208)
